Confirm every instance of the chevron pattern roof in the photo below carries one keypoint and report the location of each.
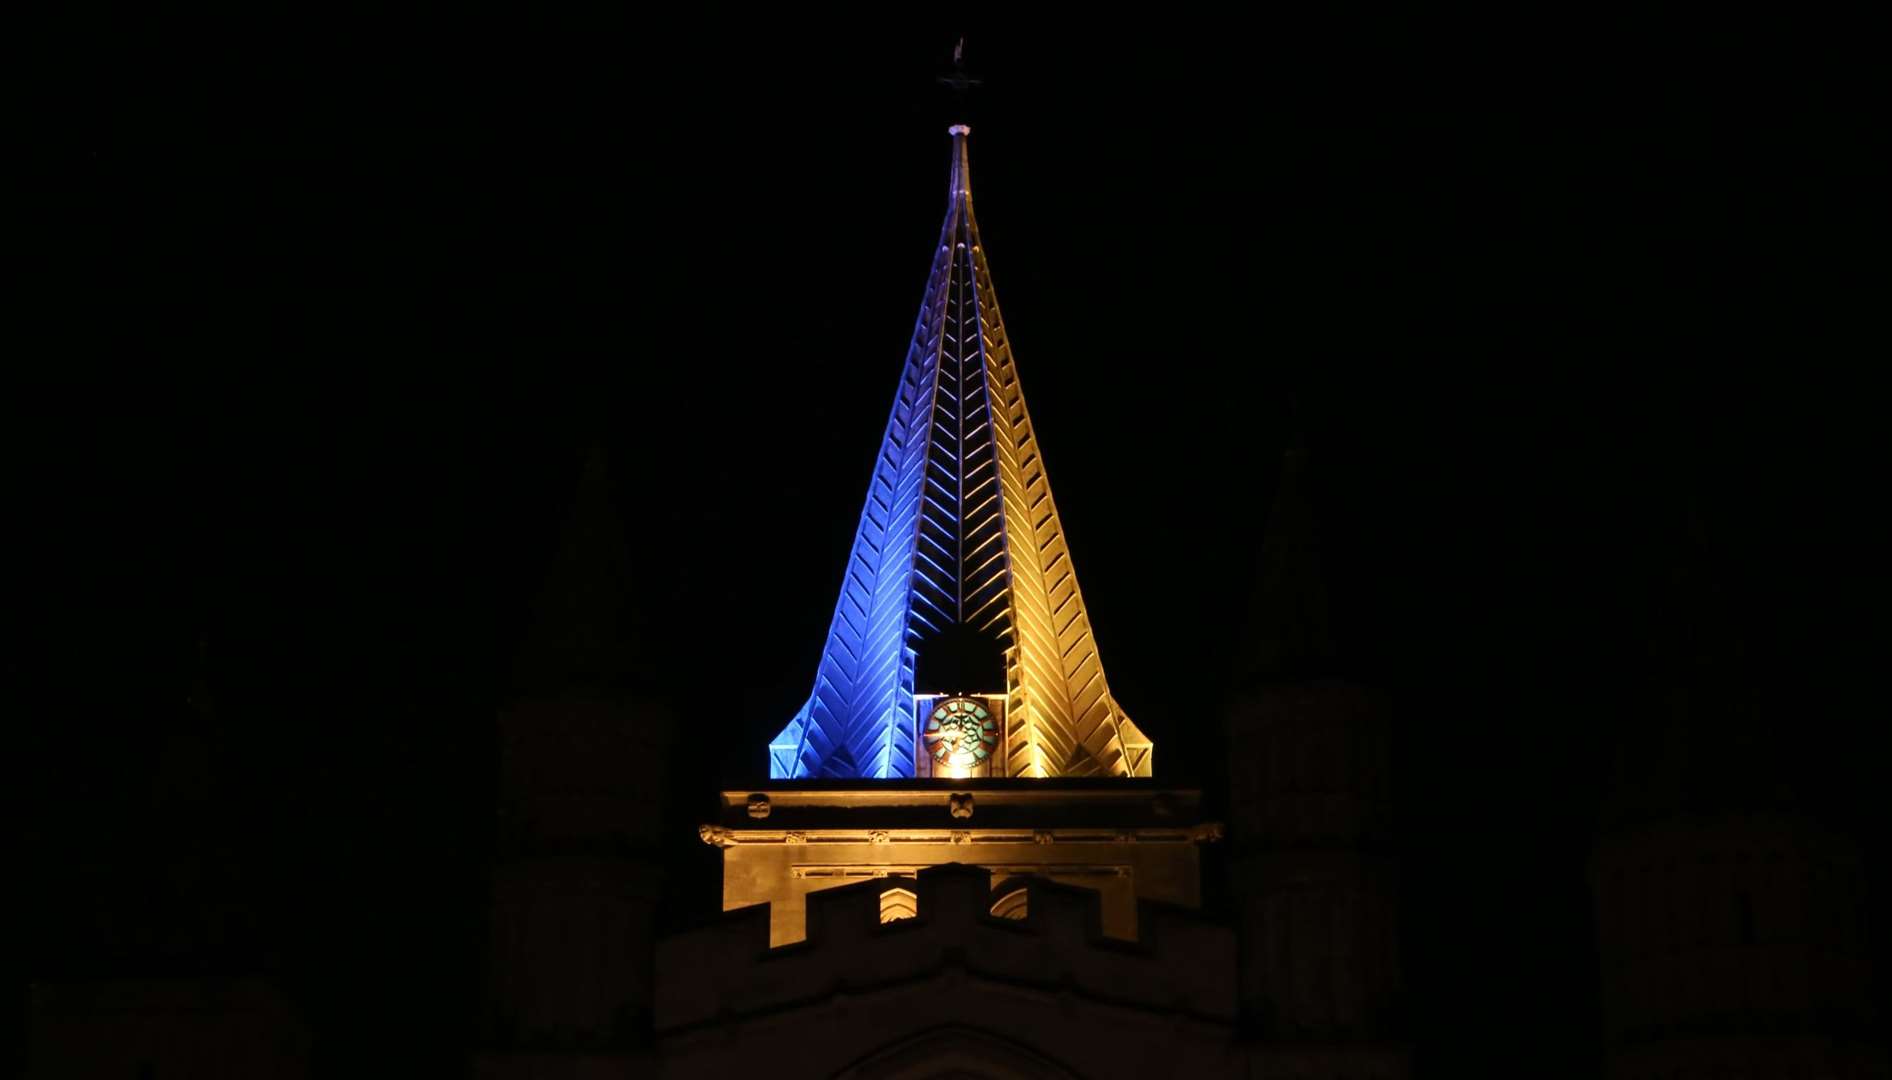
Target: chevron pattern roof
(959, 530)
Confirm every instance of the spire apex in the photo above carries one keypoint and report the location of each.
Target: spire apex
(962, 165)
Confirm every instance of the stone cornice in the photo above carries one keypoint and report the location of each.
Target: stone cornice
(722, 836)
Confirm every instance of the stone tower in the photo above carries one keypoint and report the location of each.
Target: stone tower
(575, 880)
(1730, 918)
(1310, 805)
(155, 963)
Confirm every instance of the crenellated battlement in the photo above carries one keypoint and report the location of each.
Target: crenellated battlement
(1050, 944)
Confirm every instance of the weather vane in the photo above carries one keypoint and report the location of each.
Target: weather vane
(959, 81)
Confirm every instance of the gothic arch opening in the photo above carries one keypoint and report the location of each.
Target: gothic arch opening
(897, 903)
(1011, 904)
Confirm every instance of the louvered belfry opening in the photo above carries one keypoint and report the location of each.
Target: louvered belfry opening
(959, 579)
(959, 617)
(959, 659)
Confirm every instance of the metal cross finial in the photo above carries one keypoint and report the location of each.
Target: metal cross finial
(959, 81)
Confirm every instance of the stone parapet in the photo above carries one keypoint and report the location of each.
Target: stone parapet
(1179, 975)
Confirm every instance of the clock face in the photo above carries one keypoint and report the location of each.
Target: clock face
(960, 734)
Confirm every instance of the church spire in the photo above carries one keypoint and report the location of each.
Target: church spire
(1700, 740)
(1291, 637)
(583, 632)
(960, 548)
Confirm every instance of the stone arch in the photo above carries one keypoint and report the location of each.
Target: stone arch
(1013, 904)
(898, 903)
(1010, 898)
(955, 1052)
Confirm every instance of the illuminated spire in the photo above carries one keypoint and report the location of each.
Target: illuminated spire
(959, 535)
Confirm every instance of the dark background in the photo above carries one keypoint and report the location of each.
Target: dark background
(324, 322)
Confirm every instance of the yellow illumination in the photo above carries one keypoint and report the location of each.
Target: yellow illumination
(898, 904)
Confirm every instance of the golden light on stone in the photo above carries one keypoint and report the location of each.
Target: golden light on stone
(1011, 905)
(897, 903)
(1128, 841)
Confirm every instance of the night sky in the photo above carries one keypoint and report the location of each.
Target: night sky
(321, 340)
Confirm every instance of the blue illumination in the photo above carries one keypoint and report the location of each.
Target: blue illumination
(859, 721)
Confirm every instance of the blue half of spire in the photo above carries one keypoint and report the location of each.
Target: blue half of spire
(902, 580)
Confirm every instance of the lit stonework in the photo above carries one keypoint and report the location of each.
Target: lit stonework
(959, 988)
(1128, 841)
